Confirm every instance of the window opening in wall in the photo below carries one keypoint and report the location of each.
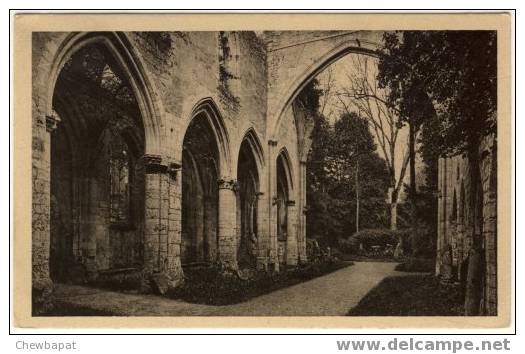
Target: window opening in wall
(120, 176)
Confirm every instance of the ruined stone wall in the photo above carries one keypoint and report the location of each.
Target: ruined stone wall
(176, 76)
(455, 227)
(226, 67)
(294, 57)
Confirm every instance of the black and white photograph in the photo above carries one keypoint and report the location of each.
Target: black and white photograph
(307, 173)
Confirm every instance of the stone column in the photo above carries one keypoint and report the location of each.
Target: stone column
(162, 224)
(291, 239)
(42, 286)
(153, 225)
(263, 242)
(227, 224)
(273, 252)
(301, 236)
(173, 266)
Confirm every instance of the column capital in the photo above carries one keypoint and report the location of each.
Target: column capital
(173, 169)
(303, 162)
(153, 164)
(52, 121)
(227, 183)
(290, 203)
(272, 142)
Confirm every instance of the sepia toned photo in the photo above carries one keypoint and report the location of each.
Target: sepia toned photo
(327, 171)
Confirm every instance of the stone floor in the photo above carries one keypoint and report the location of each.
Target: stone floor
(333, 294)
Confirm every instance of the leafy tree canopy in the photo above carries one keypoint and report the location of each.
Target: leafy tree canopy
(454, 72)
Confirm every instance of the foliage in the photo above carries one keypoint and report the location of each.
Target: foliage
(377, 237)
(210, 286)
(124, 281)
(361, 93)
(451, 75)
(426, 198)
(456, 70)
(96, 68)
(411, 295)
(417, 265)
(63, 308)
(332, 166)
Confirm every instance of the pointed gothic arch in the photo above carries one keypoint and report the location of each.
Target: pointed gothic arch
(131, 68)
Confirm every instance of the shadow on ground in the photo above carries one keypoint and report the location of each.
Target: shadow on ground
(411, 295)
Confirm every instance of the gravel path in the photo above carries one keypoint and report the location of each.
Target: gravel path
(333, 294)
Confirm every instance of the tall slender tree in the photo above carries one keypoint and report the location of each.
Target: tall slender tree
(362, 94)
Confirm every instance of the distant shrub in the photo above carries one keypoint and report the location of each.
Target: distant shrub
(378, 237)
(350, 245)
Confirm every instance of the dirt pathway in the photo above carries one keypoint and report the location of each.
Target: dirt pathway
(333, 294)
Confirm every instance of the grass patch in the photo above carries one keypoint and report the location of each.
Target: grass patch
(66, 309)
(422, 265)
(209, 286)
(411, 295)
(125, 281)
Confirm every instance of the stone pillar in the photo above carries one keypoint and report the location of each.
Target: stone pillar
(301, 237)
(162, 224)
(273, 252)
(227, 224)
(42, 286)
(291, 239)
(174, 267)
(263, 241)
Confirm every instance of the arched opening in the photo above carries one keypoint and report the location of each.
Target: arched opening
(200, 166)
(283, 201)
(247, 205)
(97, 177)
(352, 151)
(311, 72)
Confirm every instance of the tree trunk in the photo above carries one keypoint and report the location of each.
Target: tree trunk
(476, 269)
(393, 215)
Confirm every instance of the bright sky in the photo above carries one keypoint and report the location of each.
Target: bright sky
(337, 80)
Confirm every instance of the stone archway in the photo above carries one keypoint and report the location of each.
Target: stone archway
(133, 124)
(287, 251)
(200, 161)
(97, 176)
(250, 244)
(295, 58)
(208, 217)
